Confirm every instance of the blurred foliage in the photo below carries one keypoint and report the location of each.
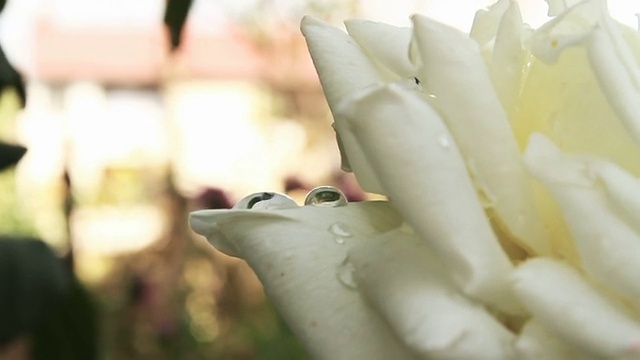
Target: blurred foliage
(69, 331)
(10, 78)
(173, 300)
(199, 310)
(33, 281)
(13, 220)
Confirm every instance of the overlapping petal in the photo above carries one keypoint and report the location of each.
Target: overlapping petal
(571, 309)
(456, 74)
(385, 44)
(295, 254)
(419, 302)
(421, 169)
(343, 69)
(608, 245)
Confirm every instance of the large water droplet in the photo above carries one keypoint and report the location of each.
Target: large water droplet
(340, 232)
(266, 201)
(327, 196)
(345, 274)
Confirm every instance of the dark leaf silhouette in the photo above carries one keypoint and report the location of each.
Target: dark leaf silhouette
(10, 155)
(9, 77)
(32, 282)
(174, 17)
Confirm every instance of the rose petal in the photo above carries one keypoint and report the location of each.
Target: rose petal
(557, 7)
(298, 257)
(623, 192)
(486, 22)
(617, 72)
(386, 44)
(570, 308)
(343, 69)
(508, 57)
(609, 247)
(421, 170)
(535, 342)
(406, 283)
(456, 74)
(570, 28)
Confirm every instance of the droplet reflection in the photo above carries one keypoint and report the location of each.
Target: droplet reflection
(327, 196)
(266, 201)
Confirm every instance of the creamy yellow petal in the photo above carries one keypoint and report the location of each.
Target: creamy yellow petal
(486, 22)
(567, 306)
(535, 342)
(570, 28)
(422, 171)
(508, 57)
(617, 72)
(623, 192)
(608, 246)
(457, 76)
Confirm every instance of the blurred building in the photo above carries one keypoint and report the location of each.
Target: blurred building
(106, 97)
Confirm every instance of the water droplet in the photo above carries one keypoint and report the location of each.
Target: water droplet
(444, 141)
(327, 196)
(340, 231)
(345, 274)
(266, 201)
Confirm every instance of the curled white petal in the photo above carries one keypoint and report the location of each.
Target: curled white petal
(295, 254)
(486, 22)
(342, 66)
(406, 283)
(536, 342)
(623, 192)
(386, 44)
(457, 76)
(507, 59)
(567, 306)
(618, 73)
(557, 7)
(608, 245)
(343, 69)
(568, 29)
(422, 171)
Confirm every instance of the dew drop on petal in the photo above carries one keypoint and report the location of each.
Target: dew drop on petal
(340, 231)
(266, 201)
(444, 141)
(345, 274)
(327, 196)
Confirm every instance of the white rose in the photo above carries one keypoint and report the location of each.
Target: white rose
(479, 260)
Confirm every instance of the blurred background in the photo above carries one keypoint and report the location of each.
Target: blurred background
(140, 111)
